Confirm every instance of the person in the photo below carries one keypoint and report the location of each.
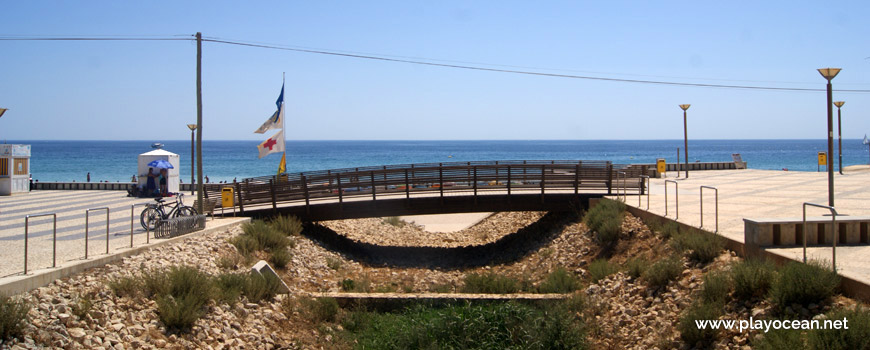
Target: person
(164, 189)
(133, 179)
(150, 185)
(206, 179)
(89, 177)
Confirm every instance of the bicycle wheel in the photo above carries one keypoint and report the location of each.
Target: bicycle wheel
(185, 211)
(149, 218)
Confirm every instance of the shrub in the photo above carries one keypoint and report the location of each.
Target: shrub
(280, 258)
(856, 337)
(716, 287)
(320, 309)
(778, 339)
(82, 306)
(669, 229)
(13, 317)
(230, 260)
(689, 331)
(663, 271)
(333, 263)
(260, 287)
(635, 267)
(605, 219)
(600, 269)
(267, 237)
(126, 286)
(488, 326)
(180, 313)
(441, 288)
(394, 221)
(230, 286)
(490, 283)
(559, 281)
(752, 278)
(700, 247)
(288, 225)
(245, 244)
(364, 285)
(803, 284)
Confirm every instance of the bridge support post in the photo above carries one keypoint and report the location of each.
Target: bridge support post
(441, 182)
(509, 182)
(543, 180)
(407, 188)
(340, 194)
(609, 178)
(577, 179)
(305, 191)
(239, 194)
(372, 177)
(272, 189)
(644, 170)
(474, 178)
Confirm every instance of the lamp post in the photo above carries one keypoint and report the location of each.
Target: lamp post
(830, 73)
(686, 137)
(840, 133)
(192, 127)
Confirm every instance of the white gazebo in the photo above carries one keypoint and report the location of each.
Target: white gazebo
(158, 154)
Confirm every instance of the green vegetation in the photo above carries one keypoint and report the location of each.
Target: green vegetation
(230, 261)
(663, 271)
(752, 278)
(364, 285)
(856, 337)
(288, 225)
(441, 288)
(490, 326)
(716, 287)
(319, 309)
(127, 286)
(394, 221)
(82, 306)
(700, 247)
(280, 258)
(605, 220)
(636, 266)
(13, 317)
(559, 281)
(689, 331)
(333, 263)
(669, 229)
(490, 283)
(600, 269)
(803, 284)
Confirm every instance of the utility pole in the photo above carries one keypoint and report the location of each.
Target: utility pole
(199, 186)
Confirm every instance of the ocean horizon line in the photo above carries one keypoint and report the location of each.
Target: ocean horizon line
(424, 140)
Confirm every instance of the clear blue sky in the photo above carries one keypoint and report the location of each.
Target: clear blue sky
(146, 90)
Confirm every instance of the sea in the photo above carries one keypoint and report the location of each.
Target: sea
(227, 160)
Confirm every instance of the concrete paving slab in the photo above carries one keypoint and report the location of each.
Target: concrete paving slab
(446, 222)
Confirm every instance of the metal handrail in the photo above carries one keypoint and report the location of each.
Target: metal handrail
(647, 191)
(132, 218)
(833, 231)
(54, 238)
(87, 222)
(676, 194)
(717, 206)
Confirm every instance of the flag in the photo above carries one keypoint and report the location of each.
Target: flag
(282, 167)
(866, 140)
(274, 122)
(280, 97)
(274, 144)
(3, 110)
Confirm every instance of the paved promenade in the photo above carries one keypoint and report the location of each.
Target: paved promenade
(767, 194)
(70, 207)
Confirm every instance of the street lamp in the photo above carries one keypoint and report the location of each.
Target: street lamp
(840, 133)
(686, 137)
(830, 73)
(192, 127)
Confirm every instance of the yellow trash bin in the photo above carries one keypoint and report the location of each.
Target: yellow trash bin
(227, 198)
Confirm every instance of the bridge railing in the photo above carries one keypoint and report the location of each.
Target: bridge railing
(443, 179)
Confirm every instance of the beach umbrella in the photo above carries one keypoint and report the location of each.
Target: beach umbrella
(161, 164)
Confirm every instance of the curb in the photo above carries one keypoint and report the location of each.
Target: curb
(39, 278)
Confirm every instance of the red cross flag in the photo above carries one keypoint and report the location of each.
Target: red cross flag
(274, 144)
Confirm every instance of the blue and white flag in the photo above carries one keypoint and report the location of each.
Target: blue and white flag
(277, 118)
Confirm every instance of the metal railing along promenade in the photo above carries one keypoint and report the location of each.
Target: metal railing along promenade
(441, 179)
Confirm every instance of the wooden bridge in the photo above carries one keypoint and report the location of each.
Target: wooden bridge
(433, 188)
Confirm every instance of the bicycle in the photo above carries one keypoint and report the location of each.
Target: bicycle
(153, 213)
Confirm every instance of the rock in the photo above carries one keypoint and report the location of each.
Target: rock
(77, 333)
(756, 312)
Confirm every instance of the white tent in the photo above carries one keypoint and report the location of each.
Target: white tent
(156, 154)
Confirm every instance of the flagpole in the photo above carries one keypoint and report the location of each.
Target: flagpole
(284, 156)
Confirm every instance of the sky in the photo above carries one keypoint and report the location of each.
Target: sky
(146, 90)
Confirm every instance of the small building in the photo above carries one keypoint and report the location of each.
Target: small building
(14, 169)
(157, 154)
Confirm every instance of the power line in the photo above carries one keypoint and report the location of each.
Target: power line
(386, 58)
(639, 81)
